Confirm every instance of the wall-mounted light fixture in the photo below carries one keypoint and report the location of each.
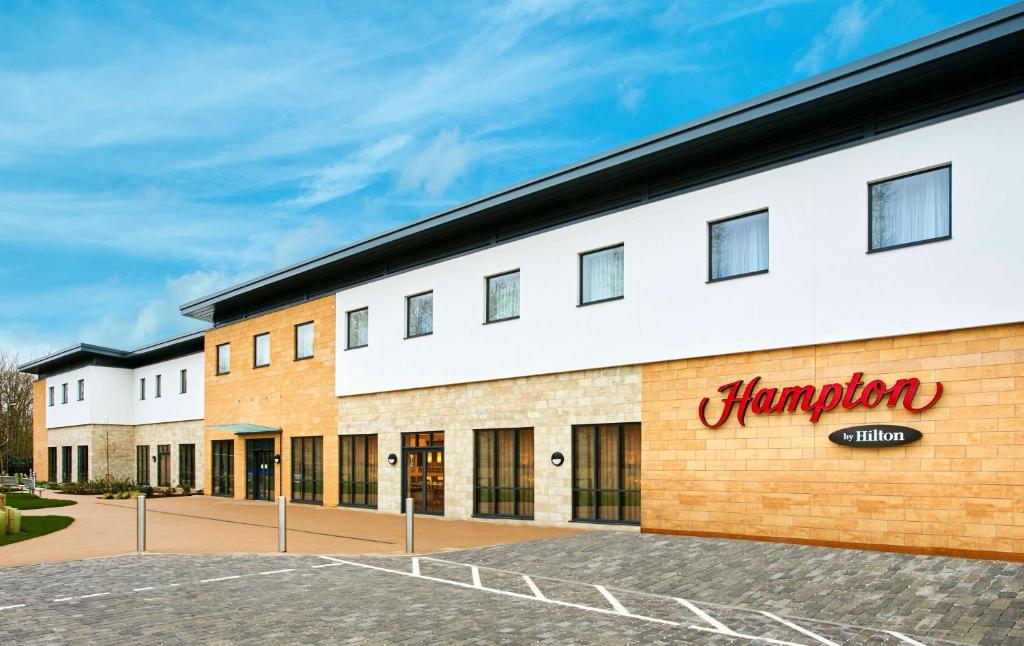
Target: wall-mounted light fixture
(557, 459)
(154, 458)
(392, 459)
(277, 459)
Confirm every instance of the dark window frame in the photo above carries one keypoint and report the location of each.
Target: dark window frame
(158, 387)
(64, 393)
(217, 370)
(52, 397)
(65, 464)
(348, 326)
(142, 389)
(163, 468)
(187, 465)
(222, 481)
(81, 390)
(596, 466)
(494, 466)
(487, 296)
(51, 463)
(296, 332)
(368, 483)
(142, 464)
(183, 381)
(713, 223)
(579, 270)
(83, 459)
(407, 299)
(255, 352)
(930, 169)
(298, 460)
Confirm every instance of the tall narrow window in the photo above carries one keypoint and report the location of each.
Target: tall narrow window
(163, 465)
(602, 275)
(261, 350)
(304, 340)
(504, 473)
(503, 297)
(83, 463)
(223, 467)
(358, 464)
(606, 473)
(51, 396)
(419, 314)
(738, 246)
(223, 358)
(65, 464)
(63, 393)
(358, 328)
(142, 465)
(183, 381)
(51, 464)
(81, 389)
(911, 209)
(158, 386)
(142, 388)
(308, 469)
(187, 465)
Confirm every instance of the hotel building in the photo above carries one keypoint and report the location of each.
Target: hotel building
(682, 335)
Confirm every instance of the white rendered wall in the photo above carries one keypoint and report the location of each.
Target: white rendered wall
(172, 405)
(822, 286)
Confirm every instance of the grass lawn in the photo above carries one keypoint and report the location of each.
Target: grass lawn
(33, 526)
(28, 501)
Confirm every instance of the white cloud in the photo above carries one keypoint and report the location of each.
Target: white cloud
(434, 169)
(631, 95)
(352, 174)
(843, 33)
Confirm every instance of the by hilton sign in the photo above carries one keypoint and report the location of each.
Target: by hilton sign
(853, 394)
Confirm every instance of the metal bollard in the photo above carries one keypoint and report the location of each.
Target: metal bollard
(409, 513)
(282, 529)
(140, 505)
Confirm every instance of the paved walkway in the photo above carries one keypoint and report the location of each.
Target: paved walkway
(203, 524)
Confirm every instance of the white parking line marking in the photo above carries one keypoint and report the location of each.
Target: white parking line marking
(533, 588)
(719, 626)
(800, 629)
(331, 558)
(143, 589)
(476, 576)
(278, 571)
(619, 608)
(904, 638)
(733, 633)
(95, 594)
(223, 578)
(64, 599)
(415, 566)
(17, 605)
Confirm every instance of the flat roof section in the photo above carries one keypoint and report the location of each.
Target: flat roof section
(85, 354)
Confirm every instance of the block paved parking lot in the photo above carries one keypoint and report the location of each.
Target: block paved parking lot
(600, 587)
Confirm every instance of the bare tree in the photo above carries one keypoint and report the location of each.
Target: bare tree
(15, 411)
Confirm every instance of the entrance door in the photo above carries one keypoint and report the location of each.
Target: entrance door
(423, 466)
(259, 469)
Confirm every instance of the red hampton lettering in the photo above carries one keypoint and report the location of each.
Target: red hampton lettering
(832, 396)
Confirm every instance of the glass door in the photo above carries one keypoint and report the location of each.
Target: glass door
(423, 466)
(259, 469)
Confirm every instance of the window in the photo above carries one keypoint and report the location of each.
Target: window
(606, 473)
(504, 473)
(910, 210)
(304, 340)
(51, 395)
(503, 297)
(81, 389)
(358, 328)
(261, 349)
(738, 246)
(51, 463)
(187, 465)
(358, 459)
(223, 467)
(142, 465)
(83, 463)
(159, 380)
(142, 388)
(308, 469)
(65, 464)
(163, 465)
(63, 393)
(602, 275)
(183, 381)
(223, 358)
(419, 314)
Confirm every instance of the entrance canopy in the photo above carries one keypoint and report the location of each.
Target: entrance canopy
(245, 429)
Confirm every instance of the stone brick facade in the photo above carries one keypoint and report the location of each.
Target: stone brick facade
(550, 404)
(295, 396)
(958, 490)
(173, 434)
(111, 449)
(39, 444)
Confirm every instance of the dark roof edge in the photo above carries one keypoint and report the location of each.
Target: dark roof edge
(801, 91)
(99, 350)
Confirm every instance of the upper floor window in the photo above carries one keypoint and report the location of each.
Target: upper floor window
(159, 386)
(911, 209)
(304, 340)
(738, 246)
(81, 389)
(358, 328)
(503, 297)
(142, 388)
(602, 275)
(63, 393)
(223, 358)
(262, 350)
(51, 395)
(183, 381)
(419, 314)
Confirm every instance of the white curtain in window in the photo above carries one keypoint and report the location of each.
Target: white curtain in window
(304, 340)
(739, 246)
(503, 296)
(358, 328)
(910, 209)
(421, 314)
(602, 274)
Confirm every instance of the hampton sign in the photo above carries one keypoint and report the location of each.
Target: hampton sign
(851, 395)
(874, 436)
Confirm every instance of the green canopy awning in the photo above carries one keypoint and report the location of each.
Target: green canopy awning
(244, 429)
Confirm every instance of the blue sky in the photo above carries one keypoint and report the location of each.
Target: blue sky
(151, 153)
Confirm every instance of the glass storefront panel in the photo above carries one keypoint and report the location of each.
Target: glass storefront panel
(307, 469)
(606, 473)
(223, 467)
(504, 473)
(358, 457)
